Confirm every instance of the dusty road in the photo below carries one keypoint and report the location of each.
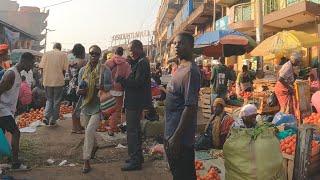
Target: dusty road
(59, 144)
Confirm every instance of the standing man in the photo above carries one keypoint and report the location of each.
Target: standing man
(9, 92)
(219, 80)
(137, 97)
(54, 64)
(181, 111)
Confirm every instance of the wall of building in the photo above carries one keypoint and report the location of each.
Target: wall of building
(7, 5)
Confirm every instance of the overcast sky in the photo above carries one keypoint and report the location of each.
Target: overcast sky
(95, 21)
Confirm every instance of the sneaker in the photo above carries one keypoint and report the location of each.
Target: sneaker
(52, 124)
(46, 122)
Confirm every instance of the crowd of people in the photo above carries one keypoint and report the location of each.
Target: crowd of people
(120, 88)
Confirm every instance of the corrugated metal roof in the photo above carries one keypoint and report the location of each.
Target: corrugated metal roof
(19, 30)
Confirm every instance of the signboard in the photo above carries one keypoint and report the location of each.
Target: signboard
(222, 24)
(133, 35)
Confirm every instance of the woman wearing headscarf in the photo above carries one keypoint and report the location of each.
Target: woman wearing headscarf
(284, 86)
(220, 123)
(90, 82)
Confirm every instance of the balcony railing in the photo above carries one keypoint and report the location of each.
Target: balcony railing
(275, 5)
(186, 10)
(243, 12)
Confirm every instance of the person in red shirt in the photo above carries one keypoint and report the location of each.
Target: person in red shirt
(25, 95)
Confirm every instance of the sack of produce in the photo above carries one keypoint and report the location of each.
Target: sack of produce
(253, 154)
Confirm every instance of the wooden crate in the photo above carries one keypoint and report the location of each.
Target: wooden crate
(206, 115)
(288, 164)
(263, 107)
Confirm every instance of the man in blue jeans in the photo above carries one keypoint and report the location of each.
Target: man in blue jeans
(181, 111)
(54, 64)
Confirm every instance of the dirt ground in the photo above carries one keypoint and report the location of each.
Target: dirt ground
(59, 144)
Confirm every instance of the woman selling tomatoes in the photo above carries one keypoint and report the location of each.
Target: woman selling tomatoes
(284, 86)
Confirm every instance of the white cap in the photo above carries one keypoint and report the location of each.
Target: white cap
(248, 110)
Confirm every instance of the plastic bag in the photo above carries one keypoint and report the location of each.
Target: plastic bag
(204, 141)
(282, 118)
(249, 159)
(5, 150)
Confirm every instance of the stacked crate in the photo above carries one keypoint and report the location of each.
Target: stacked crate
(205, 102)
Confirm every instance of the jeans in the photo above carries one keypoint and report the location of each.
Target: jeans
(182, 166)
(91, 123)
(134, 136)
(54, 98)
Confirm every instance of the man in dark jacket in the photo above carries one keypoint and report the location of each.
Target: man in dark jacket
(137, 97)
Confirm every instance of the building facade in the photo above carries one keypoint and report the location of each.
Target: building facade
(29, 19)
(199, 16)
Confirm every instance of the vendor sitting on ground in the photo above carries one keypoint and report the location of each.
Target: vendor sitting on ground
(220, 122)
(247, 117)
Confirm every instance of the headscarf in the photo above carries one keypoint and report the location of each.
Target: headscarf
(91, 76)
(219, 101)
(248, 110)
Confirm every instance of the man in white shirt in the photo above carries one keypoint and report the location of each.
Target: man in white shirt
(54, 64)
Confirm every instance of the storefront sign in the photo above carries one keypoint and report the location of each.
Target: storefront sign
(222, 24)
(133, 35)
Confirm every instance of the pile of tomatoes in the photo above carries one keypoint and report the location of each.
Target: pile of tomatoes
(212, 174)
(288, 145)
(102, 126)
(314, 118)
(246, 95)
(64, 109)
(27, 118)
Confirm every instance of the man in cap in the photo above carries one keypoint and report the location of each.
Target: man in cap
(284, 86)
(247, 117)
(220, 123)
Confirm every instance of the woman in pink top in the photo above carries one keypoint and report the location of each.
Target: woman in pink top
(25, 95)
(316, 101)
(120, 68)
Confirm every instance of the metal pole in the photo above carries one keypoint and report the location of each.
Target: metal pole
(259, 21)
(214, 16)
(45, 41)
(259, 27)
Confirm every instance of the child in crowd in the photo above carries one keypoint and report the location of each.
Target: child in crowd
(25, 95)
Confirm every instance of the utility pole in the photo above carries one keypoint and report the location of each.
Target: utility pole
(259, 21)
(45, 40)
(259, 28)
(214, 16)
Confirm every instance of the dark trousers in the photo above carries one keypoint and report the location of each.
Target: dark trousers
(134, 136)
(182, 166)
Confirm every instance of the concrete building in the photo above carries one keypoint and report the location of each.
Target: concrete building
(199, 16)
(29, 19)
(278, 15)
(193, 16)
(25, 40)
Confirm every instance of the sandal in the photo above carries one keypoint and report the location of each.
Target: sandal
(19, 167)
(77, 132)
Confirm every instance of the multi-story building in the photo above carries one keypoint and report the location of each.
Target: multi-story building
(25, 39)
(193, 16)
(29, 19)
(199, 16)
(278, 15)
